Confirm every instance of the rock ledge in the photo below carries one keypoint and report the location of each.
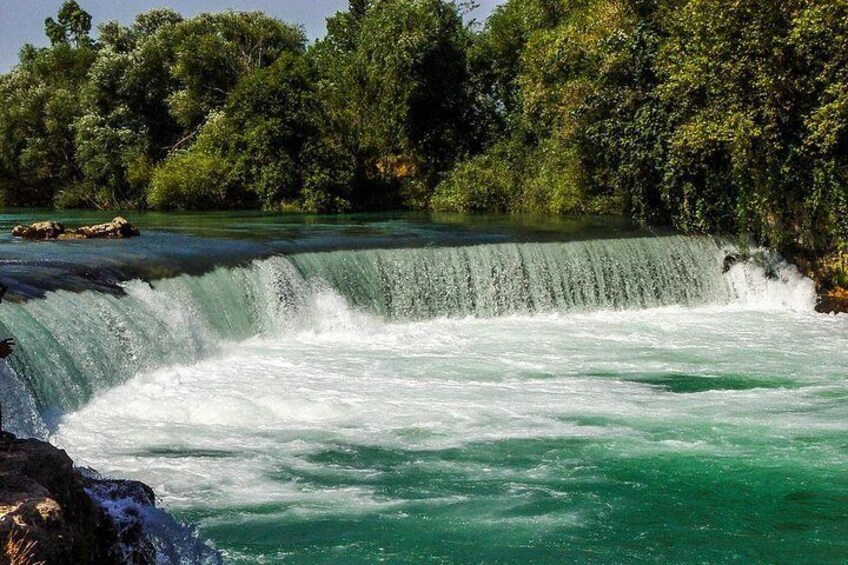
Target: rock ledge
(118, 228)
(48, 513)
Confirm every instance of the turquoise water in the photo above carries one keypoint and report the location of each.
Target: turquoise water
(603, 438)
(594, 399)
(195, 243)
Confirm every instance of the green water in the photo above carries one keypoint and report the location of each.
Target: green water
(688, 436)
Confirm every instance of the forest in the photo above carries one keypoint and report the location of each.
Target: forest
(707, 115)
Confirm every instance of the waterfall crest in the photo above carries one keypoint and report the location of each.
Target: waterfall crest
(496, 280)
(72, 345)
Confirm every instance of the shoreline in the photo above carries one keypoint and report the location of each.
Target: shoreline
(828, 272)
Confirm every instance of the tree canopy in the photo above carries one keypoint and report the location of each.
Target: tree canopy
(709, 115)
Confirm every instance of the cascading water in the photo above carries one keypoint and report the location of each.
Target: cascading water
(73, 345)
(533, 402)
(20, 413)
(495, 280)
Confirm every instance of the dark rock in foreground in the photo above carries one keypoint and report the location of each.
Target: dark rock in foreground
(48, 514)
(56, 514)
(118, 228)
(44, 509)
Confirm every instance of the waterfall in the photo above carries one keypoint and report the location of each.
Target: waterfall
(19, 412)
(73, 345)
(495, 280)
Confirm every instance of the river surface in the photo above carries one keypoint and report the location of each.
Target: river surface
(439, 389)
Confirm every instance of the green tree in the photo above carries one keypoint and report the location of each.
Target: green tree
(39, 102)
(744, 155)
(153, 87)
(396, 92)
(211, 52)
(568, 78)
(73, 26)
(820, 38)
(254, 144)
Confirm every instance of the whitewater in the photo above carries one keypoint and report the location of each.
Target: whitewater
(602, 401)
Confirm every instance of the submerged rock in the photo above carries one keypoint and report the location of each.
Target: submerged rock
(731, 259)
(121, 505)
(118, 228)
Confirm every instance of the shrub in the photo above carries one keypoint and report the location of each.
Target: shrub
(195, 180)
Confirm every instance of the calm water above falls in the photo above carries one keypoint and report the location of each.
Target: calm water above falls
(600, 400)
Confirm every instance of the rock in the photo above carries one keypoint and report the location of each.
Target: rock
(731, 259)
(39, 230)
(124, 491)
(70, 235)
(835, 301)
(42, 503)
(48, 515)
(118, 228)
(122, 504)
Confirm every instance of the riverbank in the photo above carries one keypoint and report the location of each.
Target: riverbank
(830, 273)
(53, 512)
(834, 301)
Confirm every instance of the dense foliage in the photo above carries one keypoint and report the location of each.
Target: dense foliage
(713, 116)
(706, 114)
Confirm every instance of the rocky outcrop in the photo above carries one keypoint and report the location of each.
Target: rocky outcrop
(118, 228)
(39, 230)
(48, 512)
(833, 301)
(829, 272)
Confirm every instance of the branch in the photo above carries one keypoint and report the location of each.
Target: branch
(185, 139)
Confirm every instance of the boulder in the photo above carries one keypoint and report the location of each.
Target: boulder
(47, 513)
(118, 228)
(39, 230)
(833, 301)
(44, 510)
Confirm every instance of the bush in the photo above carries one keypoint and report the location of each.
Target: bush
(328, 177)
(195, 180)
(514, 176)
(490, 182)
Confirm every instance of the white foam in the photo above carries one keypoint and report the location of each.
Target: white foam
(785, 289)
(241, 429)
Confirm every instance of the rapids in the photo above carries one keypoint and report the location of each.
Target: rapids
(75, 344)
(606, 400)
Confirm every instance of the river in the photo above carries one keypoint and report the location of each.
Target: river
(413, 388)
